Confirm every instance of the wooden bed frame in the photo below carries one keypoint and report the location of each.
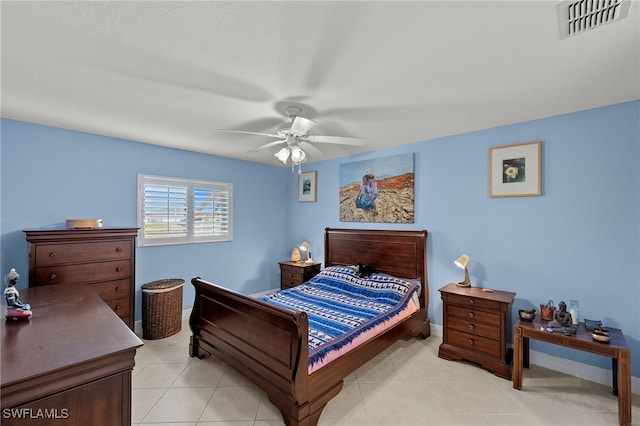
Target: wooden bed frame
(269, 345)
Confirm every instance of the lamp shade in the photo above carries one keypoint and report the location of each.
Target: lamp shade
(283, 155)
(462, 261)
(298, 155)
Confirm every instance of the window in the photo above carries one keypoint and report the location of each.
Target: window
(183, 211)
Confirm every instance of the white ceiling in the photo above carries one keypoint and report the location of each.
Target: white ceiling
(173, 73)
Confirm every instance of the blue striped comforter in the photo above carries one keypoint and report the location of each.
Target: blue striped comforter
(340, 305)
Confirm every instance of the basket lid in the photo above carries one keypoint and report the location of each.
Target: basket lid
(166, 284)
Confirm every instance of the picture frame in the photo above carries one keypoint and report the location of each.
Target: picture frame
(514, 170)
(307, 187)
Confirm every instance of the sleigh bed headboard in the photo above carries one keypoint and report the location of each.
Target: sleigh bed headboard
(400, 253)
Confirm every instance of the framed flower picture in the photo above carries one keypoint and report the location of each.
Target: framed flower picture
(514, 170)
(307, 187)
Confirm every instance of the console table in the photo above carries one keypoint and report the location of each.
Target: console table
(70, 364)
(616, 349)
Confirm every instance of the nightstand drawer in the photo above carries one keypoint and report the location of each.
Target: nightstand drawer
(474, 343)
(474, 314)
(472, 302)
(476, 328)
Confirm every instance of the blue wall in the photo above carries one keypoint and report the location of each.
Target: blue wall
(50, 174)
(579, 240)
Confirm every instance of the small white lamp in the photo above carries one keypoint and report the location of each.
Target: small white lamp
(305, 248)
(462, 263)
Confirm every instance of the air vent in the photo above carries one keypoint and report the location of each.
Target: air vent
(577, 17)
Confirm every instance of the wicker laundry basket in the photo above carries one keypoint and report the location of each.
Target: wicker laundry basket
(161, 308)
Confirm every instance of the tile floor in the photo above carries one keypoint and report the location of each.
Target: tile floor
(406, 385)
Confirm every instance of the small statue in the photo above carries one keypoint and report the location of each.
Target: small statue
(562, 321)
(15, 308)
(562, 316)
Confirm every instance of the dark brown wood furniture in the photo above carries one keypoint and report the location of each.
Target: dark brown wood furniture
(70, 364)
(295, 273)
(103, 258)
(475, 325)
(269, 345)
(616, 349)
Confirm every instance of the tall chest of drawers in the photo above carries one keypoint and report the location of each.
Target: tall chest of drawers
(475, 325)
(102, 258)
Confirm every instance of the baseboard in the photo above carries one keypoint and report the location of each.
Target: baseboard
(567, 366)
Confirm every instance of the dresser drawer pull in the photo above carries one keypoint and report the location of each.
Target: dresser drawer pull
(53, 277)
(471, 342)
(53, 254)
(471, 314)
(117, 289)
(116, 308)
(118, 269)
(472, 327)
(471, 301)
(118, 249)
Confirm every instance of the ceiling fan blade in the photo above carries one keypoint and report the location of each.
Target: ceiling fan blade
(301, 125)
(266, 146)
(310, 149)
(340, 140)
(248, 133)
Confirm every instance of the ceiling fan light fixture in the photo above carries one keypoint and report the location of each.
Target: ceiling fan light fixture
(298, 155)
(283, 155)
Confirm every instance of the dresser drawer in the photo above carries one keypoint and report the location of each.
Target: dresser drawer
(474, 343)
(474, 327)
(111, 290)
(474, 314)
(119, 306)
(83, 273)
(56, 254)
(473, 302)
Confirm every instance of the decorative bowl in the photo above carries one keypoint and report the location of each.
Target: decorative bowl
(601, 335)
(527, 316)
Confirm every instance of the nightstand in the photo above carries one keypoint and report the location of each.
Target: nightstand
(475, 325)
(295, 273)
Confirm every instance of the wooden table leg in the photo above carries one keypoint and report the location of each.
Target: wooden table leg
(517, 357)
(525, 352)
(624, 387)
(614, 371)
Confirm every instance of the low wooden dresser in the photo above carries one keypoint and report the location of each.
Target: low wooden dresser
(70, 364)
(475, 325)
(295, 273)
(103, 258)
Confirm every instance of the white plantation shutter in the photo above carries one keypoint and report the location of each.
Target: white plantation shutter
(182, 211)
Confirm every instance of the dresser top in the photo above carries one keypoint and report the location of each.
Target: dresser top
(70, 325)
(35, 235)
(477, 292)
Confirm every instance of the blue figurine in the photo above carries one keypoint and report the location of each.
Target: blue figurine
(15, 308)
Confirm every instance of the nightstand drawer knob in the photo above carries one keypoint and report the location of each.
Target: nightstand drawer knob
(471, 301)
(472, 327)
(471, 314)
(118, 269)
(471, 342)
(116, 308)
(53, 277)
(53, 254)
(118, 249)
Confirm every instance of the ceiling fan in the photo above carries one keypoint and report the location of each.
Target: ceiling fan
(295, 136)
